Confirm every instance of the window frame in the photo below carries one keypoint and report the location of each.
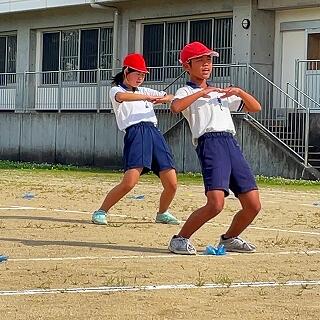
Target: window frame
(188, 20)
(312, 66)
(13, 77)
(77, 82)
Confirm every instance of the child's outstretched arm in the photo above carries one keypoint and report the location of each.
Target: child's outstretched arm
(165, 99)
(127, 96)
(250, 103)
(179, 105)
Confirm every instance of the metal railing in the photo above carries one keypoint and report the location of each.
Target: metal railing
(285, 117)
(307, 78)
(89, 89)
(282, 115)
(302, 97)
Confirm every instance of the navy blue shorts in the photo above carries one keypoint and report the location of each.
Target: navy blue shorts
(145, 147)
(223, 164)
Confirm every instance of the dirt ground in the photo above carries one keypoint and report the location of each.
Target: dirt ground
(124, 270)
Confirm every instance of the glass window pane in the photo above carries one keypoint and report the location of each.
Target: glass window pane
(89, 54)
(106, 43)
(105, 54)
(50, 57)
(222, 43)
(313, 51)
(11, 54)
(3, 58)
(69, 54)
(3, 54)
(153, 50)
(201, 30)
(153, 44)
(176, 38)
(222, 39)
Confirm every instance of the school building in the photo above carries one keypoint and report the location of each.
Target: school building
(57, 58)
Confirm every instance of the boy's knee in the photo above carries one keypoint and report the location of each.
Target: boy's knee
(172, 186)
(212, 209)
(128, 186)
(254, 207)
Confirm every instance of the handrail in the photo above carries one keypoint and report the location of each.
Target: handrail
(251, 118)
(275, 86)
(303, 93)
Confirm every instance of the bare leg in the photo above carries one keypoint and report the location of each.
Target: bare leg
(169, 182)
(129, 180)
(215, 203)
(250, 208)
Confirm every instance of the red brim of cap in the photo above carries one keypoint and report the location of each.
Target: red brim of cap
(210, 53)
(139, 70)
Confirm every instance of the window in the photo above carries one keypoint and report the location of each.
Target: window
(162, 43)
(75, 53)
(8, 54)
(313, 51)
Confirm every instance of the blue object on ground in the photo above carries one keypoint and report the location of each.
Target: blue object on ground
(137, 197)
(28, 196)
(3, 258)
(215, 251)
(316, 204)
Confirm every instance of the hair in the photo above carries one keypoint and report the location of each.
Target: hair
(119, 77)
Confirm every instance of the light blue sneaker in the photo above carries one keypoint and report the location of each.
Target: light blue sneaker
(167, 218)
(99, 217)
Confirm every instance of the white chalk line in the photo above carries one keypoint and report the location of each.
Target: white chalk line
(164, 256)
(104, 289)
(136, 218)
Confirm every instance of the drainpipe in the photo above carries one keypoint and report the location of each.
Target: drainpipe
(95, 5)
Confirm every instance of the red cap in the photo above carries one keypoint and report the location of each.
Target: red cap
(135, 61)
(195, 50)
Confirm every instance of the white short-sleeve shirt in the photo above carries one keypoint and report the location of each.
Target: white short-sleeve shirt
(131, 112)
(209, 114)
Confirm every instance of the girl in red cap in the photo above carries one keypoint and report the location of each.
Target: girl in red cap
(145, 148)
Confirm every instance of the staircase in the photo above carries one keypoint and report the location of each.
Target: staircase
(314, 157)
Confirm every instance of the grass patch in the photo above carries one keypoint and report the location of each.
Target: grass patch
(183, 178)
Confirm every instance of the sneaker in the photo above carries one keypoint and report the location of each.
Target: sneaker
(167, 218)
(99, 217)
(237, 244)
(181, 245)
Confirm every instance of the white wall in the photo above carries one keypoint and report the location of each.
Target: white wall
(284, 69)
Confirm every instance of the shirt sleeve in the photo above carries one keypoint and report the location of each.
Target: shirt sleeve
(181, 93)
(112, 95)
(153, 93)
(235, 103)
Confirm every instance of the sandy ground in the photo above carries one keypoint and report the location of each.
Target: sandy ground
(52, 244)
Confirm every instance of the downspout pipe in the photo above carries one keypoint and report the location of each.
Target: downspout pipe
(95, 5)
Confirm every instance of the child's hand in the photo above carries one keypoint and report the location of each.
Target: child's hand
(165, 99)
(228, 92)
(206, 91)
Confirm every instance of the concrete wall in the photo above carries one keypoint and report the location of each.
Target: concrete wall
(93, 139)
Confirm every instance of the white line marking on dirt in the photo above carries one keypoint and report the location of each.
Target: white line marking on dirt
(164, 256)
(235, 285)
(133, 217)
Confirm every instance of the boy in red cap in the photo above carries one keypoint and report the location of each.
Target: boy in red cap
(145, 148)
(207, 110)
